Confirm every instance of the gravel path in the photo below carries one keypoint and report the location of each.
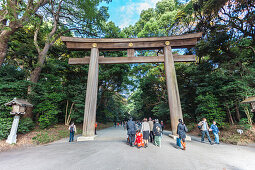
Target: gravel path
(109, 151)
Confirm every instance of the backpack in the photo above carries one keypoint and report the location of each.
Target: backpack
(71, 129)
(199, 127)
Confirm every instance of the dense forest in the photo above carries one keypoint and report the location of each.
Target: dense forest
(34, 61)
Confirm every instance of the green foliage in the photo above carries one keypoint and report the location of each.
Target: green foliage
(245, 124)
(5, 127)
(208, 107)
(48, 116)
(25, 125)
(12, 84)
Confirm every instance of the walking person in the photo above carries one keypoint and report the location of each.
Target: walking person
(146, 132)
(72, 129)
(181, 131)
(131, 130)
(151, 130)
(96, 128)
(203, 126)
(162, 125)
(215, 131)
(157, 130)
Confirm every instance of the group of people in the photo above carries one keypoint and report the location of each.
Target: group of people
(140, 133)
(204, 128)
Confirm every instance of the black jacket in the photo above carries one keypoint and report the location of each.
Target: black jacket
(181, 130)
(131, 128)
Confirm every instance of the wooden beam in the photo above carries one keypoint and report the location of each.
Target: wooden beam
(128, 40)
(130, 52)
(172, 89)
(150, 45)
(130, 60)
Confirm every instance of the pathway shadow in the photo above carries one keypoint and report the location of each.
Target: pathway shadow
(174, 145)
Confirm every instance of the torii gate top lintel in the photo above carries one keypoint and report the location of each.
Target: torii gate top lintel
(131, 44)
(181, 41)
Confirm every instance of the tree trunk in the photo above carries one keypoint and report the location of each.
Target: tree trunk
(4, 38)
(229, 116)
(238, 117)
(35, 74)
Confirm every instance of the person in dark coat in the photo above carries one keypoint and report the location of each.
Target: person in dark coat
(157, 130)
(131, 130)
(181, 131)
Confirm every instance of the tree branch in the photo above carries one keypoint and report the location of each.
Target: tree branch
(36, 35)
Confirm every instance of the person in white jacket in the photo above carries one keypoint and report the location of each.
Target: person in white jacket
(146, 132)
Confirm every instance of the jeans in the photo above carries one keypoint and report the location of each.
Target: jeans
(216, 139)
(151, 136)
(158, 141)
(203, 136)
(71, 136)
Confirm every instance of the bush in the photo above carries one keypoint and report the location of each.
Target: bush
(5, 127)
(26, 125)
(48, 119)
(244, 123)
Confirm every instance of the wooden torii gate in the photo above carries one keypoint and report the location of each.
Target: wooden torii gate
(130, 44)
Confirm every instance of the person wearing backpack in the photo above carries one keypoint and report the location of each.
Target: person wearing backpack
(181, 131)
(157, 130)
(204, 128)
(72, 129)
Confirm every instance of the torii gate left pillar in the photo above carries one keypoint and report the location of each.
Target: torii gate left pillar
(91, 98)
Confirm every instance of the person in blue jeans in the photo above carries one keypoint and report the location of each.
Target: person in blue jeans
(215, 131)
(72, 129)
(203, 126)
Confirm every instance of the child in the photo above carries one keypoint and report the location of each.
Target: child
(139, 139)
(215, 131)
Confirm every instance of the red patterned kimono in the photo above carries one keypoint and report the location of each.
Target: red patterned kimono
(139, 139)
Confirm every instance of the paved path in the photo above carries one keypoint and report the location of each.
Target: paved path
(109, 151)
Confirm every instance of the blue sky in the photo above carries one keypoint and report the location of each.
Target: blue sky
(126, 12)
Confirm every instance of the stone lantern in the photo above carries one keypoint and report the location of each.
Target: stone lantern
(251, 101)
(18, 108)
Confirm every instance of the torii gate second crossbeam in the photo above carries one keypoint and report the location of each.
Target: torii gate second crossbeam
(130, 44)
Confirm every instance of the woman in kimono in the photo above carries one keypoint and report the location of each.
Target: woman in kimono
(139, 139)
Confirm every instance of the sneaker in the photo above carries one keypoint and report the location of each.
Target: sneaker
(211, 143)
(202, 141)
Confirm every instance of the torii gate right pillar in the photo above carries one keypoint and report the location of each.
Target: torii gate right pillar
(172, 89)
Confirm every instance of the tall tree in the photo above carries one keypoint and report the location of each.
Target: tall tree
(15, 14)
